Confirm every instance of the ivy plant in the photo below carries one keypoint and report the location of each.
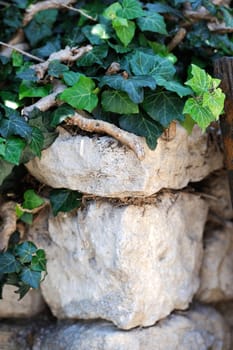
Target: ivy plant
(22, 265)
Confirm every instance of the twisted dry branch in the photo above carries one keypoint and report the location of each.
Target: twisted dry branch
(33, 9)
(69, 54)
(8, 223)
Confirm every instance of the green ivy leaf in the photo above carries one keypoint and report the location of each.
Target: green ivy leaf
(30, 89)
(188, 123)
(202, 115)
(163, 107)
(27, 74)
(14, 148)
(17, 59)
(64, 200)
(56, 68)
(39, 261)
(37, 141)
(142, 126)
(61, 113)
(201, 81)
(32, 200)
(118, 102)
(158, 67)
(214, 100)
(6, 169)
(27, 218)
(176, 87)
(71, 78)
(8, 263)
(131, 9)
(95, 56)
(2, 147)
(124, 30)
(25, 251)
(111, 11)
(81, 95)
(15, 125)
(133, 86)
(22, 290)
(32, 278)
(152, 22)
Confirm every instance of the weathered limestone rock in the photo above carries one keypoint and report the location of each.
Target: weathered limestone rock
(200, 329)
(29, 306)
(103, 167)
(217, 267)
(130, 264)
(216, 186)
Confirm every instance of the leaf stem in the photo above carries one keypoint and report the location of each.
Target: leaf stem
(21, 51)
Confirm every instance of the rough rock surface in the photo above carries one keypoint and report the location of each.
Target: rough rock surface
(129, 264)
(103, 167)
(217, 267)
(199, 329)
(29, 306)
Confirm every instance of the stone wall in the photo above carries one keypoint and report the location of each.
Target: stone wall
(146, 263)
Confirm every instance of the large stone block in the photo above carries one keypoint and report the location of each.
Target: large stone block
(11, 306)
(217, 267)
(199, 329)
(103, 167)
(130, 264)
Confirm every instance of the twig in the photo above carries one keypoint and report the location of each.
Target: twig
(8, 225)
(134, 142)
(21, 51)
(177, 39)
(44, 5)
(83, 13)
(34, 210)
(46, 102)
(69, 54)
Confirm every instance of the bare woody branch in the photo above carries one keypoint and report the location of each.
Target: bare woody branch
(177, 39)
(46, 102)
(132, 141)
(20, 48)
(44, 5)
(69, 54)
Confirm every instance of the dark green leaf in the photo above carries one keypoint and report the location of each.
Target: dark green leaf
(17, 59)
(37, 141)
(15, 125)
(56, 68)
(23, 290)
(8, 263)
(29, 89)
(71, 78)
(61, 113)
(39, 261)
(118, 102)
(32, 200)
(32, 278)
(27, 74)
(95, 56)
(130, 9)
(152, 22)
(163, 107)
(25, 251)
(27, 218)
(81, 95)
(142, 126)
(6, 169)
(64, 200)
(14, 148)
(154, 65)
(175, 86)
(133, 86)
